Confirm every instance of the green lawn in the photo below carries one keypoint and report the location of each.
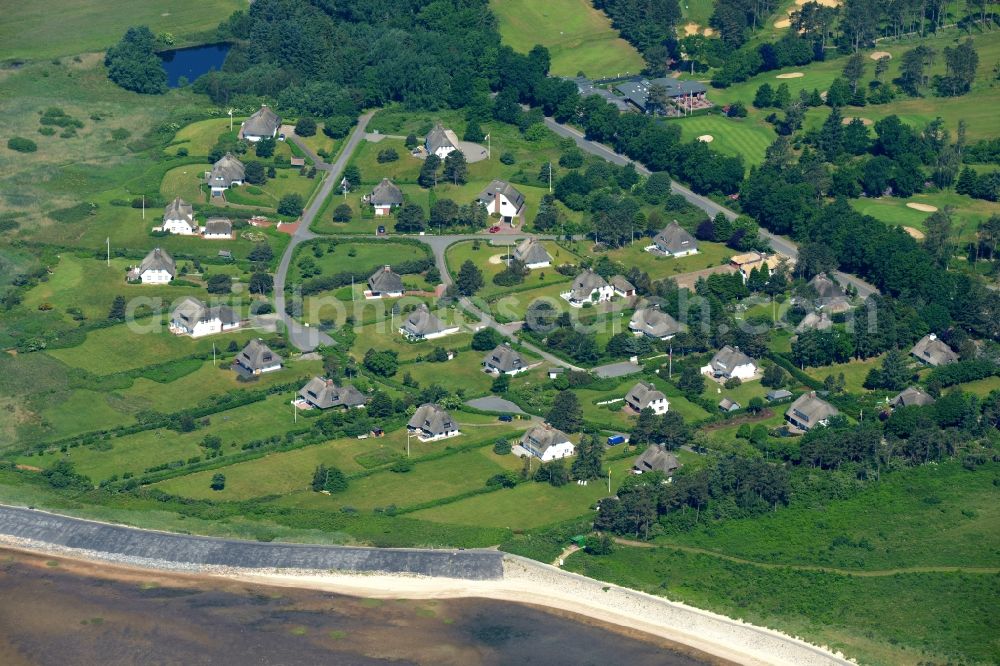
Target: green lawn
(709, 255)
(288, 181)
(185, 182)
(115, 349)
(966, 215)
(854, 372)
(529, 505)
(81, 411)
(200, 137)
(490, 260)
(464, 372)
(578, 36)
(343, 257)
(35, 31)
(91, 285)
(741, 394)
(982, 387)
(385, 335)
(135, 453)
(404, 170)
(291, 471)
(321, 142)
(198, 387)
(732, 136)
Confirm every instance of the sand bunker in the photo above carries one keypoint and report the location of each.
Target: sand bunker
(707, 138)
(782, 23)
(497, 259)
(867, 122)
(790, 75)
(916, 233)
(825, 3)
(708, 32)
(877, 55)
(691, 29)
(923, 208)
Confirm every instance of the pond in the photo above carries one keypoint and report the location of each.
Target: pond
(192, 62)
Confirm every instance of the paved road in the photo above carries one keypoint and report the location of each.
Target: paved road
(119, 543)
(303, 337)
(778, 243)
(492, 403)
(617, 369)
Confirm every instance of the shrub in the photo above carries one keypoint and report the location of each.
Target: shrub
(501, 447)
(507, 158)
(22, 145)
(387, 155)
(291, 205)
(342, 213)
(218, 481)
(46, 131)
(305, 127)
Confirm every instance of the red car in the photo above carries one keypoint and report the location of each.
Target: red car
(494, 229)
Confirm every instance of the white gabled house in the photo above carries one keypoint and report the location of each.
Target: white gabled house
(504, 361)
(440, 141)
(264, 123)
(503, 199)
(423, 325)
(532, 254)
(547, 443)
(178, 218)
(257, 358)
(384, 197)
(195, 319)
(728, 363)
(384, 283)
(227, 172)
(674, 241)
(158, 267)
(431, 423)
(645, 395)
(588, 287)
(218, 228)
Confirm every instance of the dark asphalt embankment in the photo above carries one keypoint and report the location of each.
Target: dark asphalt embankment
(120, 543)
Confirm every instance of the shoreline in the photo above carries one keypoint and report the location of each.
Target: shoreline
(687, 630)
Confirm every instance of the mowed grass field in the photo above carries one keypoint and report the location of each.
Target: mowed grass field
(731, 136)
(119, 348)
(967, 212)
(529, 505)
(491, 261)
(34, 30)
(578, 36)
(342, 257)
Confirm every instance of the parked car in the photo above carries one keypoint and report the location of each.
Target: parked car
(615, 440)
(494, 229)
(506, 418)
(380, 231)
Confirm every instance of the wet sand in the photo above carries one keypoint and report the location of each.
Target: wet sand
(67, 611)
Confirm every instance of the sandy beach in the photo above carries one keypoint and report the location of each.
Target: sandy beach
(524, 581)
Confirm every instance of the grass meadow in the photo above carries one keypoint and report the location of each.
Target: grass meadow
(788, 574)
(117, 348)
(578, 36)
(33, 31)
(345, 256)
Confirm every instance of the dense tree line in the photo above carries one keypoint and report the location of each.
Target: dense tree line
(325, 59)
(133, 64)
(648, 25)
